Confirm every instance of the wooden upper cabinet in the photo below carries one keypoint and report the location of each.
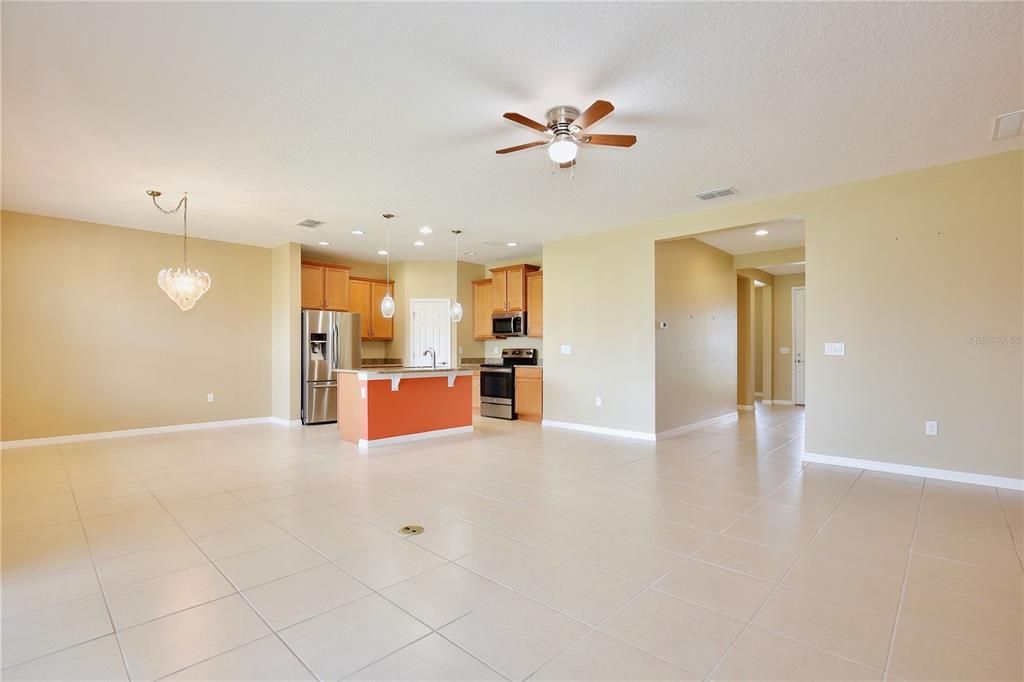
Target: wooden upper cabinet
(364, 296)
(509, 292)
(381, 328)
(312, 286)
(499, 290)
(483, 305)
(535, 304)
(335, 289)
(324, 286)
(359, 302)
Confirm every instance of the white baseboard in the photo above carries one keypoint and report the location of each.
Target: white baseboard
(128, 433)
(290, 423)
(745, 408)
(599, 430)
(412, 437)
(778, 402)
(662, 435)
(910, 470)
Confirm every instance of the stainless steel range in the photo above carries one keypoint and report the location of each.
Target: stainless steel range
(498, 382)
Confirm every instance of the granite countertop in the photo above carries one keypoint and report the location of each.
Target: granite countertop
(402, 370)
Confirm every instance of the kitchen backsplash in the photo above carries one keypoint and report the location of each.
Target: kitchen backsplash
(494, 347)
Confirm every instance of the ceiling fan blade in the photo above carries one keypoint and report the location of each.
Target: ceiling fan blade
(519, 147)
(528, 122)
(594, 113)
(610, 140)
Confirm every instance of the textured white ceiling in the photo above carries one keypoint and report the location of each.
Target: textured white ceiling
(786, 234)
(270, 113)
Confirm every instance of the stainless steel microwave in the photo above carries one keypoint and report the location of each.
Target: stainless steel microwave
(504, 325)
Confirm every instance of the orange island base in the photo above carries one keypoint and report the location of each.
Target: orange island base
(400, 405)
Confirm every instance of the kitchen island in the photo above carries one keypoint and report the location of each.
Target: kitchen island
(396, 405)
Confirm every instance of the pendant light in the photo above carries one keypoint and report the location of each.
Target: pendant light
(456, 307)
(182, 285)
(387, 304)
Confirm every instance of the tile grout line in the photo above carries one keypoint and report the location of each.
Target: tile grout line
(778, 584)
(1009, 528)
(96, 573)
(903, 586)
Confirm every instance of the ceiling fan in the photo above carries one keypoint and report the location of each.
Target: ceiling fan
(565, 130)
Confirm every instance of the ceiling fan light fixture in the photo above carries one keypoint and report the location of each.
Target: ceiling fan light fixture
(562, 149)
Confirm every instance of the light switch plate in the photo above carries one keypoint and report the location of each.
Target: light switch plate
(835, 348)
(209, 397)
(566, 349)
(783, 350)
(663, 325)
(597, 401)
(931, 428)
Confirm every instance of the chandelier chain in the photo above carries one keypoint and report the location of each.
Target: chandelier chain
(182, 206)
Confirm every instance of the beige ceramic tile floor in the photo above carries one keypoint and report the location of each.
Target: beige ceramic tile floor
(263, 552)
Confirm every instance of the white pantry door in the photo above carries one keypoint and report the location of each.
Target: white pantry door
(799, 345)
(431, 327)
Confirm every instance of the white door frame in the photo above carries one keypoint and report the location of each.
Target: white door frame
(411, 340)
(792, 337)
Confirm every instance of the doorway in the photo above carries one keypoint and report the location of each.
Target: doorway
(430, 328)
(799, 346)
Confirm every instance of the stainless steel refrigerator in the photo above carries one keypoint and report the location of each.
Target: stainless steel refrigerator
(330, 341)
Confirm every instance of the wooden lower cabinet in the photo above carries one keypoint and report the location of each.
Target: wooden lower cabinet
(530, 393)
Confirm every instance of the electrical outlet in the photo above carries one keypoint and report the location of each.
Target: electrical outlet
(497, 351)
(209, 397)
(597, 400)
(931, 428)
(566, 349)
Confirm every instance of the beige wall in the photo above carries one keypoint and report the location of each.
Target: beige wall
(696, 295)
(745, 345)
(758, 340)
(90, 342)
(434, 279)
(905, 269)
(782, 333)
(286, 322)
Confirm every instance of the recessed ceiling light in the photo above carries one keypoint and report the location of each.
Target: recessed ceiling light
(382, 252)
(417, 243)
(358, 233)
(324, 243)
(469, 253)
(511, 243)
(760, 233)
(425, 230)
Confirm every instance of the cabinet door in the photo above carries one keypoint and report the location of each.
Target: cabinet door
(335, 289)
(383, 329)
(516, 289)
(312, 286)
(499, 291)
(359, 302)
(535, 304)
(529, 396)
(483, 304)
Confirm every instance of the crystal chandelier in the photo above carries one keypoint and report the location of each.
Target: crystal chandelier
(387, 304)
(456, 307)
(182, 285)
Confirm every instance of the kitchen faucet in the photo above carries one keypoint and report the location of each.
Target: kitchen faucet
(433, 358)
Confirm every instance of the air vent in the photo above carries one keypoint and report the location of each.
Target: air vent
(715, 193)
(1008, 125)
(311, 222)
(493, 243)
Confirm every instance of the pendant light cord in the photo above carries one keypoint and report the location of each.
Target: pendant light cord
(182, 203)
